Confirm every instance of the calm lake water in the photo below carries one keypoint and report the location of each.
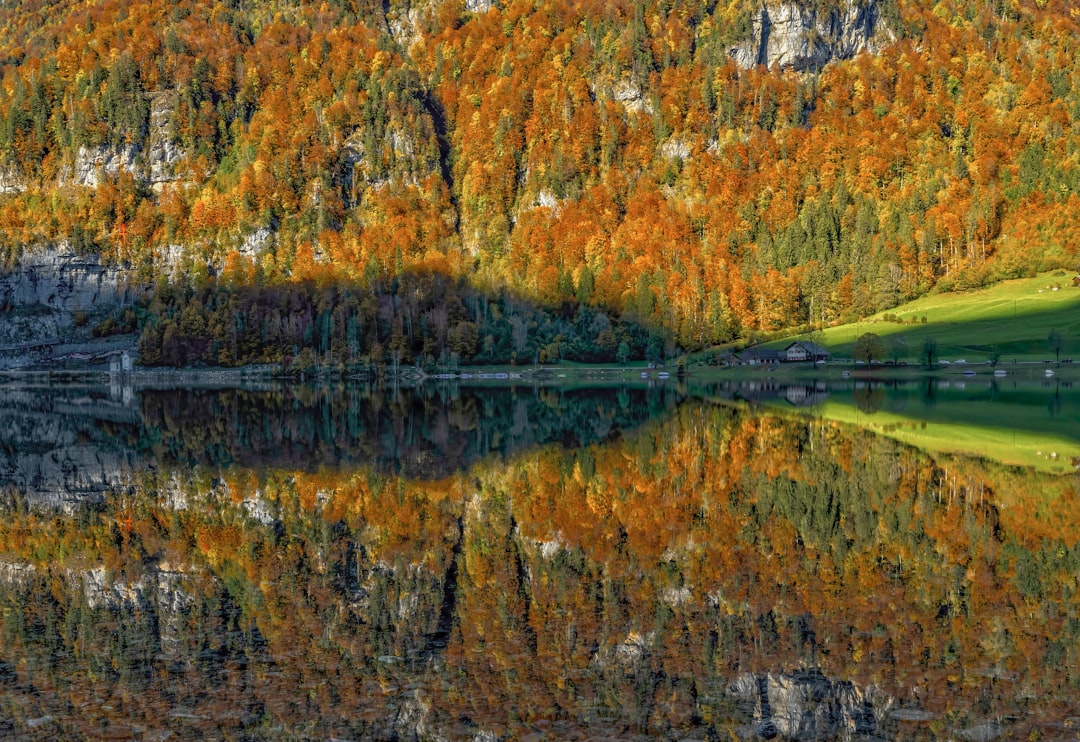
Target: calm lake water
(730, 561)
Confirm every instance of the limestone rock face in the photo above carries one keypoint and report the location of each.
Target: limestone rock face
(155, 165)
(11, 181)
(42, 294)
(162, 153)
(675, 148)
(94, 164)
(796, 35)
(360, 169)
(406, 20)
(24, 329)
(629, 94)
(479, 6)
(56, 277)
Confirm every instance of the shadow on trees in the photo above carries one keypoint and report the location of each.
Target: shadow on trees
(427, 319)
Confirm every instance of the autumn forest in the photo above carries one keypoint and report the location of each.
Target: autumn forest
(591, 159)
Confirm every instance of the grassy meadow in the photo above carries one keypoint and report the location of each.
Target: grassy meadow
(1013, 318)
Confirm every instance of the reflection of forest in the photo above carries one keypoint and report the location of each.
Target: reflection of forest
(65, 445)
(720, 571)
(428, 432)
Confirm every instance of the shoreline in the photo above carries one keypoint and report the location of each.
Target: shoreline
(577, 374)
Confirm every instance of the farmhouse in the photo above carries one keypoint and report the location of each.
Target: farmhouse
(804, 350)
(760, 357)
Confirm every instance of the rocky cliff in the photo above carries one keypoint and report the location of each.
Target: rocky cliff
(801, 36)
(155, 165)
(50, 294)
(11, 181)
(57, 278)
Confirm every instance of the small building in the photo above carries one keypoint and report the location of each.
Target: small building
(121, 363)
(1076, 280)
(804, 350)
(760, 357)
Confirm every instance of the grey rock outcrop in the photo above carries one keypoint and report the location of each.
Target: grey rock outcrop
(675, 148)
(406, 20)
(361, 169)
(479, 6)
(628, 92)
(162, 153)
(796, 35)
(93, 164)
(173, 259)
(155, 165)
(17, 329)
(16, 574)
(11, 181)
(56, 277)
(255, 243)
(49, 297)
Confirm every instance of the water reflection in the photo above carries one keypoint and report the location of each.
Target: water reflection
(721, 570)
(69, 444)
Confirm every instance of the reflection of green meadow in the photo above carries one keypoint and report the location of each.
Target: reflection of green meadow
(1023, 427)
(1013, 318)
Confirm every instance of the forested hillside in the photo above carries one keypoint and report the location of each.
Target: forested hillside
(637, 157)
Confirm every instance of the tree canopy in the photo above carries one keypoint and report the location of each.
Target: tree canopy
(869, 347)
(612, 154)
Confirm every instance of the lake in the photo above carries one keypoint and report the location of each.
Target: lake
(750, 560)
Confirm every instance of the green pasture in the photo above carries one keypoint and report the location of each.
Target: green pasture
(1013, 318)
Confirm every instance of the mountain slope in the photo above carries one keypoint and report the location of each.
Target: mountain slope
(620, 154)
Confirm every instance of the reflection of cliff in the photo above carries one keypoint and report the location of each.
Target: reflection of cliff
(354, 614)
(807, 705)
(65, 448)
(73, 445)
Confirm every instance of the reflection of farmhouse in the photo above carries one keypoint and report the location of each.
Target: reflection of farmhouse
(802, 350)
(806, 396)
(768, 389)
